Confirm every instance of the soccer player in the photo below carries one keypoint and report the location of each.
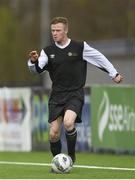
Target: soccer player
(66, 61)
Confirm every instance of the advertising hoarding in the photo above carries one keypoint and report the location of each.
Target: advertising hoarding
(113, 117)
(15, 119)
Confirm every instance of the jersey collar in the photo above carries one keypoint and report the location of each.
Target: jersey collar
(65, 45)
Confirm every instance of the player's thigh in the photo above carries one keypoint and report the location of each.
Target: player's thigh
(69, 119)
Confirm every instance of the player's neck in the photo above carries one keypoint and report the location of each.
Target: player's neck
(64, 43)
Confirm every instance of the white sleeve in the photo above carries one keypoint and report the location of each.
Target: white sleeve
(96, 58)
(42, 61)
(31, 67)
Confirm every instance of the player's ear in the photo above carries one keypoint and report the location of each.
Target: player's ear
(66, 29)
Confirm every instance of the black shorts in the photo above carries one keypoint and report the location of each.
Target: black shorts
(62, 101)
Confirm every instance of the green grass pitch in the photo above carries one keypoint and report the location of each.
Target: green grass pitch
(32, 171)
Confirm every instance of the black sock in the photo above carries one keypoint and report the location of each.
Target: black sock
(55, 147)
(71, 137)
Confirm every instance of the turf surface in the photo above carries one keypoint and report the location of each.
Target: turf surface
(13, 171)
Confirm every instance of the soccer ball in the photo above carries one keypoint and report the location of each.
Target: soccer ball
(62, 163)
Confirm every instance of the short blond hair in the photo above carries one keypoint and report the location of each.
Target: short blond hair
(62, 20)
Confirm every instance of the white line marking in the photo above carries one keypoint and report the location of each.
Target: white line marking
(25, 163)
(102, 167)
(76, 166)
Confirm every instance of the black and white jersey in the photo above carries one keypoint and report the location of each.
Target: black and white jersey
(67, 65)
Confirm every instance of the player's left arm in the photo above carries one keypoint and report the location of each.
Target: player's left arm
(118, 78)
(96, 58)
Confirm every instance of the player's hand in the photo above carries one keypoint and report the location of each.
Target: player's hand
(118, 78)
(33, 55)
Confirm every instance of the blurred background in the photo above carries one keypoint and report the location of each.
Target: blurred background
(107, 25)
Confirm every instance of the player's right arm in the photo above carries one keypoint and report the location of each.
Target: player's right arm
(36, 63)
(33, 56)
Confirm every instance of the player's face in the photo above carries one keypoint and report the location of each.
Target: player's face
(59, 32)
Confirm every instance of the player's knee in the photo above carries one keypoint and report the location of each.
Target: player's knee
(54, 135)
(69, 125)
